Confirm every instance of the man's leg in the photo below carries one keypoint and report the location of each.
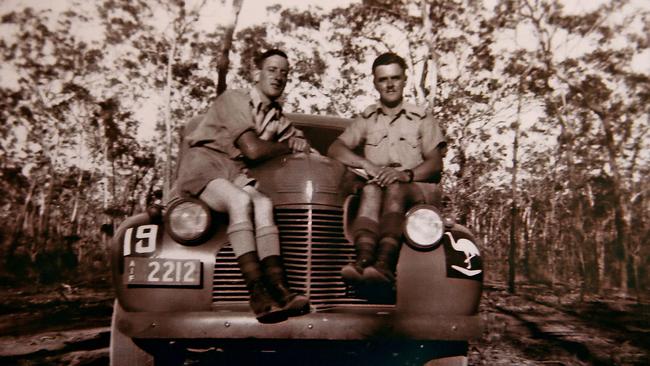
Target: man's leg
(365, 232)
(397, 197)
(221, 195)
(268, 248)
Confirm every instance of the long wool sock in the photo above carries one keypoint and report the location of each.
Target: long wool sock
(242, 238)
(268, 241)
(391, 225)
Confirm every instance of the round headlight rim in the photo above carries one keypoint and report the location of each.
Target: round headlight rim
(420, 247)
(198, 239)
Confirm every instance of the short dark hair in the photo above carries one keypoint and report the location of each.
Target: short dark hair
(388, 58)
(259, 60)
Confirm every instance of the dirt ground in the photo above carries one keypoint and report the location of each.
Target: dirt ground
(538, 327)
(67, 325)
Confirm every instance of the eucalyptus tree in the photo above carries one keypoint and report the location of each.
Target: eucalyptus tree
(223, 62)
(581, 67)
(48, 111)
(71, 134)
(165, 64)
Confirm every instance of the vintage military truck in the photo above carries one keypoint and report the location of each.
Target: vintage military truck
(180, 294)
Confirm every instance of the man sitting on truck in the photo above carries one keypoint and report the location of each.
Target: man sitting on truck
(402, 155)
(242, 127)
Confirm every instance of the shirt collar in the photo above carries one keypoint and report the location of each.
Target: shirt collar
(398, 110)
(378, 108)
(261, 101)
(411, 111)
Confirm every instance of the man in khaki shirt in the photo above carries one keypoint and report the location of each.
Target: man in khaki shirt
(243, 126)
(402, 154)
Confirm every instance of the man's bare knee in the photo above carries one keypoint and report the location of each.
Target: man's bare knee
(370, 205)
(394, 198)
(223, 196)
(263, 205)
(371, 191)
(215, 194)
(239, 202)
(395, 192)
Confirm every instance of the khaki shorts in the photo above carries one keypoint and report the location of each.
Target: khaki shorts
(418, 193)
(431, 193)
(201, 165)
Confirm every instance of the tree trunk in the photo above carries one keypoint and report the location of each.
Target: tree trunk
(74, 226)
(512, 252)
(14, 237)
(430, 68)
(526, 247)
(167, 175)
(224, 58)
(622, 238)
(580, 242)
(637, 198)
(622, 211)
(44, 215)
(42, 232)
(106, 198)
(600, 258)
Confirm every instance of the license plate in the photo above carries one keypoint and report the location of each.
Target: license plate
(162, 272)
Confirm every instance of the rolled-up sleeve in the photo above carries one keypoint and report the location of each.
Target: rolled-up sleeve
(226, 120)
(432, 135)
(355, 133)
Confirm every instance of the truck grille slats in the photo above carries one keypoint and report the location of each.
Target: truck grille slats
(314, 249)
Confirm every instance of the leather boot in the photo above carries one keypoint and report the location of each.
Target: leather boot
(261, 302)
(352, 273)
(382, 272)
(292, 303)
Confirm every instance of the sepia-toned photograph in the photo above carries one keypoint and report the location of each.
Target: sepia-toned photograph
(326, 183)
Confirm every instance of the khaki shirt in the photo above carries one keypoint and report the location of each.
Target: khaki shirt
(400, 140)
(235, 112)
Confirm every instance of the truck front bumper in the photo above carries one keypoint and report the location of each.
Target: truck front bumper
(344, 324)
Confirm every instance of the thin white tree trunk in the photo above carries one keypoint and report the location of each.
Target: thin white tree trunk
(432, 59)
(167, 175)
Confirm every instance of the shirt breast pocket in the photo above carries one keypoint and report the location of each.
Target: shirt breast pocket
(375, 138)
(411, 138)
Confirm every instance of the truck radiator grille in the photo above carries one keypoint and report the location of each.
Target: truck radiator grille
(314, 249)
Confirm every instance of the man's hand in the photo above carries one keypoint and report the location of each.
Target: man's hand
(370, 168)
(298, 144)
(388, 175)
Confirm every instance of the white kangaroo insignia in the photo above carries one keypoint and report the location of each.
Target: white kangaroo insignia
(464, 258)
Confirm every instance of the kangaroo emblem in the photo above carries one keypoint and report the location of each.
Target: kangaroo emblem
(470, 250)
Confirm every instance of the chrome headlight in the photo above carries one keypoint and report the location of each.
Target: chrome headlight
(423, 227)
(188, 220)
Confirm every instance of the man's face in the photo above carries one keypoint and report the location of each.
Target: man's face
(273, 76)
(389, 81)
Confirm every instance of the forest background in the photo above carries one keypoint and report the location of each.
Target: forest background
(545, 106)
